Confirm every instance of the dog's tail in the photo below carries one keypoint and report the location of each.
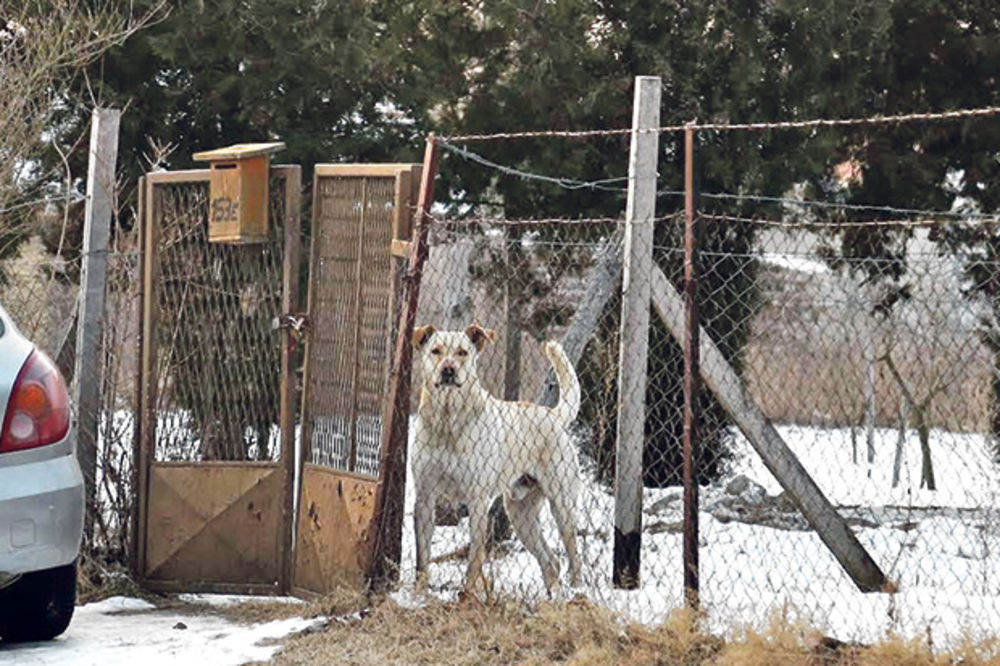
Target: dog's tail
(569, 386)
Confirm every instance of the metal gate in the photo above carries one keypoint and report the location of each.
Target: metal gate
(361, 219)
(215, 458)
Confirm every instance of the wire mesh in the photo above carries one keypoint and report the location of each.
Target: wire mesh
(351, 320)
(863, 333)
(876, 371)
(218, 370)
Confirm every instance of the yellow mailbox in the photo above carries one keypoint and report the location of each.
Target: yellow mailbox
(238, 191)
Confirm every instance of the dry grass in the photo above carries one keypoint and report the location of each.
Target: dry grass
(583, 634)
(98, 580)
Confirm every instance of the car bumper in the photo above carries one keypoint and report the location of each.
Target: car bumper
(41, 514)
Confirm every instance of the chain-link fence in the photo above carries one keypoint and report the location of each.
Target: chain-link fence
(39, 288)
(866, 335)
(854, 342)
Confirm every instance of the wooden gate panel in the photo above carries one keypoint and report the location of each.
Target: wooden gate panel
(217, 522)
(211, 525)
(334, 517)
(358, 213)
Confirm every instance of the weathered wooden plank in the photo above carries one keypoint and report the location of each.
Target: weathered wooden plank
(638, 258)
(728, 388)
(101, 185)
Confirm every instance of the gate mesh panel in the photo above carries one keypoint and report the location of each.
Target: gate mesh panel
(218, 359)
(351, 321)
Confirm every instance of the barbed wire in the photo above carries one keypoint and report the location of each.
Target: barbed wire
(834, 205)
(912, 257)
(575, 184)
(724, 127)
(790, 224)
(567, 183)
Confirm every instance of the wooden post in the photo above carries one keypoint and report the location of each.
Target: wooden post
(289, 345)
(146, 446)
(386, 530)
(139, 466)
(728, 388)
(691, 373)
(638, 260)
(93, 281)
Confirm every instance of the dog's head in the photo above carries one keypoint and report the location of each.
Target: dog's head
(448, 358)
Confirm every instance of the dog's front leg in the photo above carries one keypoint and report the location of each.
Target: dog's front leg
(478, 529)
(423, 530)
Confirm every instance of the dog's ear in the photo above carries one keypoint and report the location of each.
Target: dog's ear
(480, 336)
(422, 334)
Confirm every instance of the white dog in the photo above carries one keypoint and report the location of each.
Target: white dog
(472, 448)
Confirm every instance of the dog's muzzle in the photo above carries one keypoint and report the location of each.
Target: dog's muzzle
(448, 377)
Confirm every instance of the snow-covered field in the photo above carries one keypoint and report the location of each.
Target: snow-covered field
(126, 631)
(941, 547)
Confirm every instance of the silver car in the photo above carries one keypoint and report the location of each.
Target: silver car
(41, 493)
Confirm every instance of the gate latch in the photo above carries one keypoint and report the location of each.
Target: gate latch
(297, 322)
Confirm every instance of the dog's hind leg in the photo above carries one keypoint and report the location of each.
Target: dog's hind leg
(562, 502)
(524, 517)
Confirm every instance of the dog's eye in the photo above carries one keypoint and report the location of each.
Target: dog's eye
(463, 352)
(436, 351)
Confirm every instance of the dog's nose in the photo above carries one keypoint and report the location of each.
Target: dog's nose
(448, 375)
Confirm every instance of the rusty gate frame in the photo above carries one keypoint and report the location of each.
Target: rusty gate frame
(376, 539)
(145, 439)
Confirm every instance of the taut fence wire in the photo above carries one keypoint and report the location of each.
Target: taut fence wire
(724, 127)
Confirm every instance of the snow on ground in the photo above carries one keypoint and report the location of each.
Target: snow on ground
(941, 547)
(227, 600)
(128, 631)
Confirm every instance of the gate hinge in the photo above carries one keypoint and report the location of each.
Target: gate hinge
(299, 323)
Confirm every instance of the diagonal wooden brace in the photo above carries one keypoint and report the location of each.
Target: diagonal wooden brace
(728, 388)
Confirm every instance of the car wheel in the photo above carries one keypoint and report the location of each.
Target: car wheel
(39, 606)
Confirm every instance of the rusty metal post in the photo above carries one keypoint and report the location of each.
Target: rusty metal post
(691, 372)
(385, 533)
(139, 464)
(289, 347)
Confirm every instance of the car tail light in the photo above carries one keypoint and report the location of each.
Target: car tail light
(38, 409)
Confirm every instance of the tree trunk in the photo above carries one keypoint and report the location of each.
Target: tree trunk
(926, 464)
(500, 529)
(870, 397)
(897, 461)
(854, 442)
(995, 404)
